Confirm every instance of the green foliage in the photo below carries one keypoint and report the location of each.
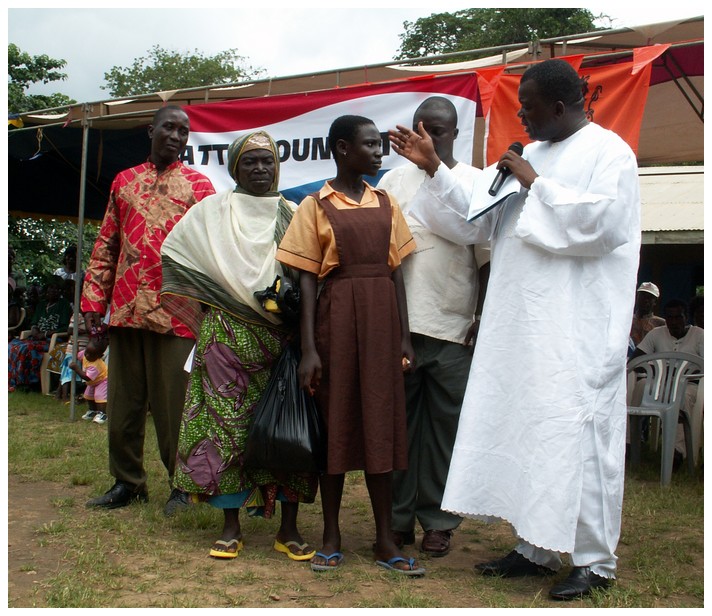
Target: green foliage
(479, 28)
(23, 70)
(171, 70)
(39, 244)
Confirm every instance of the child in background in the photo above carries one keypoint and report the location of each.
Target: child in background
(66, 374)
(95, 372)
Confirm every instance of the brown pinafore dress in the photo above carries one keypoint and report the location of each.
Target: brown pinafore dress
(361, 395)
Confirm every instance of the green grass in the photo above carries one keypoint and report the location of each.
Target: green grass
(135, 557)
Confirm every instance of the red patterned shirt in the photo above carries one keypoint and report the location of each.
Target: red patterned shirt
(125, 266)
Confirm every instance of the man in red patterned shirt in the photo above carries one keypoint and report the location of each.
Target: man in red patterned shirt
(149, 347)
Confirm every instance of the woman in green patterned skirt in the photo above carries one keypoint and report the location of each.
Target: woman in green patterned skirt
(217, 256)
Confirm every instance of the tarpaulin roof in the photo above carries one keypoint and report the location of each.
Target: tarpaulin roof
(44, 165)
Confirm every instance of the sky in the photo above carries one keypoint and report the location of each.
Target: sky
(282, 41)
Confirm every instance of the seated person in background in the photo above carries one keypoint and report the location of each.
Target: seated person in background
(15, 272)
(68, 290)
(32, 298)
(697, 311)
(68, 271)
(644, 319)
(25, 356)
(676, 335)
(93, 370)
(14, 310)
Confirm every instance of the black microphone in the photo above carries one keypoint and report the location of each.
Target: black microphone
(504, 172)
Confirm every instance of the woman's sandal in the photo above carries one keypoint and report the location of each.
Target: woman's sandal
(226, 549)
(294, 550)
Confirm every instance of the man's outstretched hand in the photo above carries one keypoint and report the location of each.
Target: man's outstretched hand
(417, 147)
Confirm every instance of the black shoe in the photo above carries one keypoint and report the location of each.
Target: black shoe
(402, 538)
(513, 565)
(580, 583)
(120, 495)
(176, 501)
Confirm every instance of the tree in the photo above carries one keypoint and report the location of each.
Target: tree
(39, 244)
(479, 28)
(23, 70)
(170, 70)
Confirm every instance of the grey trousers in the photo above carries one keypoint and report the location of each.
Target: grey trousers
(434, 393)
(145, 374)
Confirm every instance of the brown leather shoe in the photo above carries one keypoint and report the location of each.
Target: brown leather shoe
(436, 542)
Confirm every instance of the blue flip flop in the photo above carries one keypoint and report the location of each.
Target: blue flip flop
(327, 567)
(419, 572)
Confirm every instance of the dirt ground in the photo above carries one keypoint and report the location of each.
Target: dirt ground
(28, 508)
(260, 577)
(34, 559)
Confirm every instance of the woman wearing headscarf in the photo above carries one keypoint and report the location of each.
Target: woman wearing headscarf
(219, 254)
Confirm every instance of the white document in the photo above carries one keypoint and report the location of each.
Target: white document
(482, 202)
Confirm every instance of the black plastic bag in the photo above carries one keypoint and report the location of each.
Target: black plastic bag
(287, 432)
(282, 298)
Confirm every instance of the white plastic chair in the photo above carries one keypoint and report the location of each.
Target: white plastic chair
(663, 396)
(45, 378)
(696, 420)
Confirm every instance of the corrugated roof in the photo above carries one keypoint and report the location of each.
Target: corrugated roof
(672, 198)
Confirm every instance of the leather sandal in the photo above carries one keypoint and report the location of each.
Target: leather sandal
(436, 542)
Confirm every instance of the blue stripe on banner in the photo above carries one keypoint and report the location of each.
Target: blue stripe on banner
(297, 193)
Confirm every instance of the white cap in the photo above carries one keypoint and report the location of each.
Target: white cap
(649, 287)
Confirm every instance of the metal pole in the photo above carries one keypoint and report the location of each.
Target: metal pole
(80, 247)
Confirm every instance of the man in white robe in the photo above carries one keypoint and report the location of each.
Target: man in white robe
(541, 437)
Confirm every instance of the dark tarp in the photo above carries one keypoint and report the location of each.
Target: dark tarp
(47, 184)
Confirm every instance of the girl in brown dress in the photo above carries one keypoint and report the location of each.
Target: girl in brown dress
(355, 337)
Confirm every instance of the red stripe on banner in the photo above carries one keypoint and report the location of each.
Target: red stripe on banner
(245, 113)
